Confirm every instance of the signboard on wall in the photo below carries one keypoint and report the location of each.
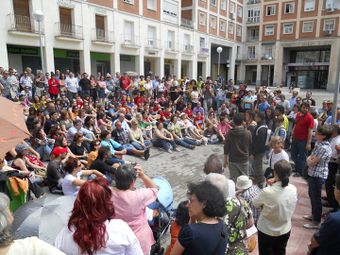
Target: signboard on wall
(22, 50)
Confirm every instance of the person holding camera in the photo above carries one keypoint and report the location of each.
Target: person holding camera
(130, 203)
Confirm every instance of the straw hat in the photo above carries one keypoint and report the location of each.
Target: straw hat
(243, 182)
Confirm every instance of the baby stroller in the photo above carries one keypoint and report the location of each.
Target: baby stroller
(161, 223)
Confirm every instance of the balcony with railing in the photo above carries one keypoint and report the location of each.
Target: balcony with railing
(187, 23)
(188, 48)
(203, 51)
(130, 41)
(102, 36)
(66, 30)
(253, 1)
(22, 23)
(253, 20)
(152, 44)
(171, 46)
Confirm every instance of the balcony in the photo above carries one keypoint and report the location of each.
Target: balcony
(203, 52)
(152, 44)
(171, 46)
(102, 36)
(253, 1)
(253, 20)
(68, 31)
(22, 24)
(129, 41)
(188, 49)
(187, 23)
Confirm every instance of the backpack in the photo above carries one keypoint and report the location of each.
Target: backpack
(269, 133)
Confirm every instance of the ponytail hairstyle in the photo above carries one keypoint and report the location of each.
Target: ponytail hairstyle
(283, 169)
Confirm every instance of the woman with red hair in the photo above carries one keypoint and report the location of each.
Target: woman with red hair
(92, 228)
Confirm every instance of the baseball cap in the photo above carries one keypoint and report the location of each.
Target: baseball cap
(59, 150)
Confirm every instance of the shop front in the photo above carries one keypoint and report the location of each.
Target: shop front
(20, 57)
(66, 60)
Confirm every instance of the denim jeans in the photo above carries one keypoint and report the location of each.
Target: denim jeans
(44, 151)
(113, 160)
(299, 154)
(186, 142)
(165, 144)
(314, 192)
(138, 146)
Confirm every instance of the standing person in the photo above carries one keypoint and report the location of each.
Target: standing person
(236, 148)
(53, 87)
(85, 85)
(72, 86)
(130, 203)
(259, 148)
(92, 228)
(205, 231)
(278, 204)
(327, 240)
(317, 174)
(333, 167)
(302, 138)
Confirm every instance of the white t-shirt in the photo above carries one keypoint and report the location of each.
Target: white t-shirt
(276, 157)
(32, 245)
(68, 188)
(121, 240)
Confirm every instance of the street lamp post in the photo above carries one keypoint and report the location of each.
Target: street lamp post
(219, 50)
(38, 15)
(269, 58)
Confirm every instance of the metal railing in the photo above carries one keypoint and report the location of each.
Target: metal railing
(204, 51)
(152, 43)
(130, 41)
(187, 23)
(102, 35)
(23, 23)
(253, 19)
(69, 30)
(171, 46)
(188, 48)
(253, 1)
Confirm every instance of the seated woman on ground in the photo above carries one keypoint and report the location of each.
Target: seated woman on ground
(78, 148)
(190, 130)
(72, 180)
(92, 228)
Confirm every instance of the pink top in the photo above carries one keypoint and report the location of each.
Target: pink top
(224, 128)
(130, 206)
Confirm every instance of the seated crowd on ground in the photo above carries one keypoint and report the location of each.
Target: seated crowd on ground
(82, 127)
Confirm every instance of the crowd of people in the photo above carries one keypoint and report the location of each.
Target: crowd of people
(82, 127)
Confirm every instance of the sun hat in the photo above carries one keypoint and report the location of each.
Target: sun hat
(243, 182)
(59, 150)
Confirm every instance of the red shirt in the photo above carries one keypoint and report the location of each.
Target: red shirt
(188, 112)
(199, 121)
(156, 108)
(164, 114)
(139, 100)
(303, 123)
(125, 82)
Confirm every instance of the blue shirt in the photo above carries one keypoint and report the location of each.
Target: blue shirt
(328, 236)
(263, 106)
(112, 144)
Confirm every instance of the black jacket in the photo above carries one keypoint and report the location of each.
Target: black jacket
(237, 144)
(259, 140)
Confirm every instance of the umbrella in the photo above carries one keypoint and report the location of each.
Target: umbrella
(13, 129)
(165, 195)
(43, 217)
(131, 73)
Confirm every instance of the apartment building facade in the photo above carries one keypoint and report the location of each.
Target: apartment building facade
(159, 36)
(292, 41)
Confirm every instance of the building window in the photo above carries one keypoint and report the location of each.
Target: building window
(251, 52)
(288, 28)
(269, 30)
(253, 16)
(171, 39)
(213, 2)
(329, 25)
(270, 10)
(213, 22)
(224, 5)
(267, 51)
(222, 25)
(239, 11)
(289, 8)
(232, 7)
(152, 5)
(202, 19)
(330, 5)
(231, 28)
(307, 26)
(129, 1)
(309, 5)
(239, 31)
(253, 34)
(202, 42)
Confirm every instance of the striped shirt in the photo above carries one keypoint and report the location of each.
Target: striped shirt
(323, 151)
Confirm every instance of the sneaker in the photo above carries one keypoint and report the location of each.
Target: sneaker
(313, 225)
(308, 217)
(169, 151)
(147, 154)
(176, 149)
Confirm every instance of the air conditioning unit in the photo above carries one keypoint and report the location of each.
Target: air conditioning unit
(151, 42)
(328, 31)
